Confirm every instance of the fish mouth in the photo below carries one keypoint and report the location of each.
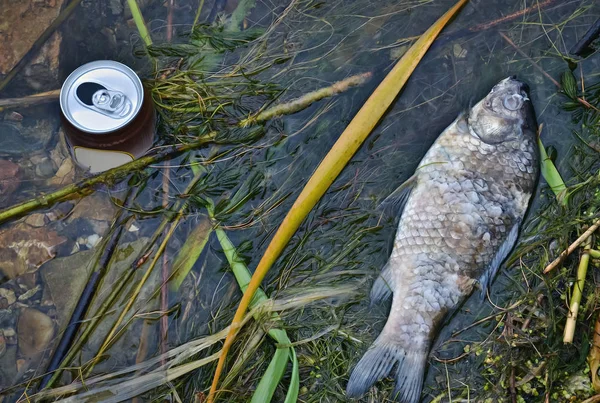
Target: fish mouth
(517, 98)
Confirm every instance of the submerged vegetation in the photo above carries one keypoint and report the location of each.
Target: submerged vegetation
(226, 169)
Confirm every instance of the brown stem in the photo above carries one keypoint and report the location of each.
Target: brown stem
(43, 97)
(541, 70)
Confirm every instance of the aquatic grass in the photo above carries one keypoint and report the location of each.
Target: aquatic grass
(333, 163)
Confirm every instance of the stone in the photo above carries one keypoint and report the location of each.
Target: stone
(97, 206)
(13, 117)
(10, 179)
(8, 297)
(65, 174)
(45, 168)
(21, 24)
(36, 220)
(35, 331)
(66, 277)
(24, 249)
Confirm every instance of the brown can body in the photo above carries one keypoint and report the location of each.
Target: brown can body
(134, 139)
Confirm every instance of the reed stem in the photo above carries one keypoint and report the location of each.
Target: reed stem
(577, 292)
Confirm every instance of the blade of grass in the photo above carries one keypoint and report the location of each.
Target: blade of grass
(551, 174)
(190, 252)
(331, 166)
(270, 379)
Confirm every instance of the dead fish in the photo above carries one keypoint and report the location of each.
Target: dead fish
(462, 211)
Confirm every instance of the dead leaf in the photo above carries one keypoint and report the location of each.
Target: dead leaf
(24, 249)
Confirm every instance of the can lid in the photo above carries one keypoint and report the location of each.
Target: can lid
(101, 96)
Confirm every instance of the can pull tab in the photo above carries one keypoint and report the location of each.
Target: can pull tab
(111, 103)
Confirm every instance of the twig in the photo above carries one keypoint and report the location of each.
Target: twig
(43, 97)
(86, 186)
(170, 6)
(533, 63)
(39, 42)
(460, 33)
(306, 100)
(541, 70)
(577, 292)
(513, 16)
(512, 388)
(572, 247)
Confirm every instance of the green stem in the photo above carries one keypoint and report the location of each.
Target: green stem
(86, 186)
(200, 6)
(138, 18)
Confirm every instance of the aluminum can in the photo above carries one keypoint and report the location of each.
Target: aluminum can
(107, 116)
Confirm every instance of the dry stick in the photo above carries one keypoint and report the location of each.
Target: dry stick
(306, 100)
(453, 36)
(36, 99)
(510, 17)
(572, 247)
(584, 262)
(39, 43)
(86, 186)
(541, 70)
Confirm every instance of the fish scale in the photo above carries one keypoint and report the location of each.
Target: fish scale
(467, 198)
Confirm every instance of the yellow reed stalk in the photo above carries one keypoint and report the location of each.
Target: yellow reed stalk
(331, 166)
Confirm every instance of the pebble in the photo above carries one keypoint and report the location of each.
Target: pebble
(45, 169)
(36, 220)
(8, 295)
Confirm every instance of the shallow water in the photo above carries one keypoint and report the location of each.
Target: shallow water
(323, 43)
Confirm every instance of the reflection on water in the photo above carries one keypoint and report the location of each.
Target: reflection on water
(345, 239)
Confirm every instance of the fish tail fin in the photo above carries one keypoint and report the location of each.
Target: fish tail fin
(377, 364)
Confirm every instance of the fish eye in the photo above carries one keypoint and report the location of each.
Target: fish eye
(512, 102)
(488, 103)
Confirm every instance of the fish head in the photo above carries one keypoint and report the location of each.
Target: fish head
(505, 114)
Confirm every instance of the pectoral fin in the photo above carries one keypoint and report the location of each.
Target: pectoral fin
(492, 269)
(395, 202)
